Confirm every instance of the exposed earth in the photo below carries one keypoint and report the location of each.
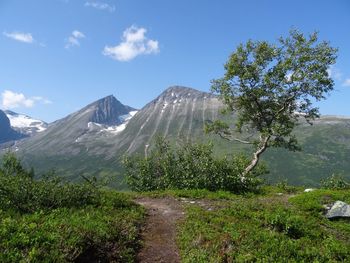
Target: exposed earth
(159, 233)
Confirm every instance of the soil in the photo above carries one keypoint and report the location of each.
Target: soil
(159, 233)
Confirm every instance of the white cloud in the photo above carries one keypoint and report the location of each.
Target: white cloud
(73, 39)
(19, 36)
(77, 34)
(42, 100)
(134, 43)
(11, 100)
(346, 83)
(100, 6)
(335, 73)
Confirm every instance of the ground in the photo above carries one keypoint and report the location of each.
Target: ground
(159, 233)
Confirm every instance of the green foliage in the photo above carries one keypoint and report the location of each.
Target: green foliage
(19, 191)
(335, 182)
(313, 201)
(11, 166)
(53, 221)
(264, 229)
(190, 193)
(190, 166)
(272, 86)
(284, 187)
(284, 222)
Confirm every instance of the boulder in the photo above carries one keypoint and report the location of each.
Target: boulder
(339, 210)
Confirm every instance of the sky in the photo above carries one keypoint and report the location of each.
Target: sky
(57, 56)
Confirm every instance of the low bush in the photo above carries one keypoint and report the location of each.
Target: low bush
(189, 166)
(53, 221)
(19, 191)
(264, 229)
(335, 181)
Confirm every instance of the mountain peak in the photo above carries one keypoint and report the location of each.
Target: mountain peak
(107, 110)
(181, 92)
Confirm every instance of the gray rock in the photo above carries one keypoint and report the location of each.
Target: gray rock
(7, 134)
(309, 190)
(339, 209)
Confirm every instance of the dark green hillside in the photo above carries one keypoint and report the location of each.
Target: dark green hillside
(325, 150)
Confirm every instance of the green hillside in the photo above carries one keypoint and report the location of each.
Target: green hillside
(72, 147)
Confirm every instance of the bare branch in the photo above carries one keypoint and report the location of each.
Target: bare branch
(231, 138)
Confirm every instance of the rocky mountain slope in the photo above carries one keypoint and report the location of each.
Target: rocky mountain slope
(7, 133)
(93, 140)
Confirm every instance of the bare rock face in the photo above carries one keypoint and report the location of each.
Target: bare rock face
(339, 210)
(108, 110)
(6, 132)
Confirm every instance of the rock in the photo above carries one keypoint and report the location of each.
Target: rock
(327, 207)
(309, 190)
(6, 132)
(339, 209)
(279, 194)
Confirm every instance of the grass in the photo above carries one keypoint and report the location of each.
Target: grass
(107, 232)
(55, 221)
(266, 228)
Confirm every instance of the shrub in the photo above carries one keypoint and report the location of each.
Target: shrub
(291, 225)
(53, 221)
(335, 181)
(189, 166)
(285, 187)
(19, 191)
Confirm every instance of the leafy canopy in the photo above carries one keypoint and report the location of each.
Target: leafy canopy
(270, 86)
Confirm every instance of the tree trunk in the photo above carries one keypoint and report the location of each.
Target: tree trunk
(256, 156)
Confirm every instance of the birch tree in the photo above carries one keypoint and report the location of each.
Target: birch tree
(270, 88)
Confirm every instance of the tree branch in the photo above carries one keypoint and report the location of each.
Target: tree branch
(231, 138)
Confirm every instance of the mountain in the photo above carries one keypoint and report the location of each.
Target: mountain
(7, 134)
(93, 140)
(67, 135)
(177, 112)
(68, 144)
(24, 124)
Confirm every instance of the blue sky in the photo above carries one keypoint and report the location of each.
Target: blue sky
(57, 56)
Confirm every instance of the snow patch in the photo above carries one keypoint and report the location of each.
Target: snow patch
(124, 119)
(164, 106)
(127, 117)
(24, 122)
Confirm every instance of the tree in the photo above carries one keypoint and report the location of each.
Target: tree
(271, 87)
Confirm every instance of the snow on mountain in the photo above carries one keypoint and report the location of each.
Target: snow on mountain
(25, 124)
(122, 120)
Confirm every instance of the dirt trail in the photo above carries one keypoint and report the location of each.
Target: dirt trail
(159, 233)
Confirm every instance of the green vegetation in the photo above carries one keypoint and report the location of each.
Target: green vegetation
(53, 221)
(190, 166)
(335, 182)
(265, 228)
(272, 87)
